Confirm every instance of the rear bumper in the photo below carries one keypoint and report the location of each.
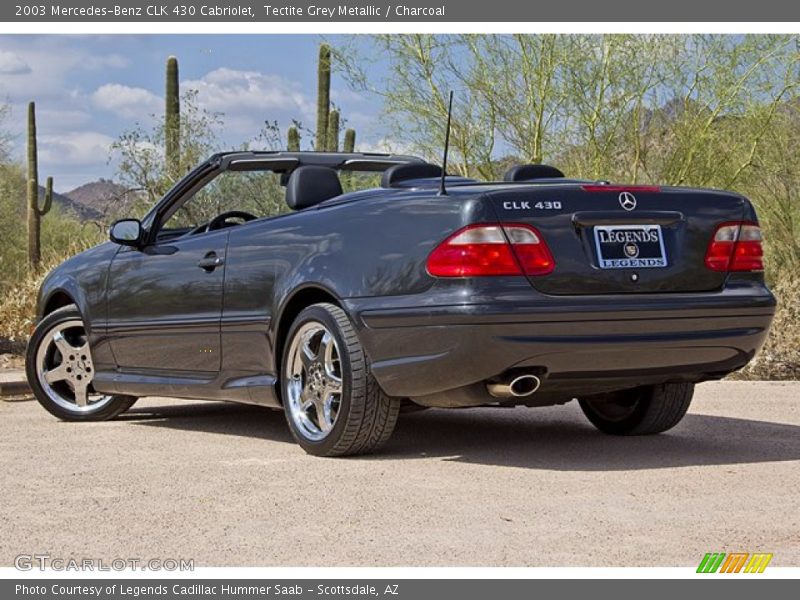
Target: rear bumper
(578, 344)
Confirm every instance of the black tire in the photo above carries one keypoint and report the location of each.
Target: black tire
(109, 408)
(640, 411)
(366, 416)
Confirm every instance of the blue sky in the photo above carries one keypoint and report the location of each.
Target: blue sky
(88, 89)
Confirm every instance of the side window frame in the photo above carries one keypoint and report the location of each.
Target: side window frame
(184, 192)
(184, 189)
(182, 198)
(180, 193)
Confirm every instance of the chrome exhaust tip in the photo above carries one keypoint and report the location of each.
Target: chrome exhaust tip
(521, 386)
(524, 385)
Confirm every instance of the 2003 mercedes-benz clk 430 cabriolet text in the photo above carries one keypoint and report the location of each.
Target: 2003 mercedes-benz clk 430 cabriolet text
(257, 279)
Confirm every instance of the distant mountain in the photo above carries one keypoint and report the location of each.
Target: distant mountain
(69, 206)
(92, 200)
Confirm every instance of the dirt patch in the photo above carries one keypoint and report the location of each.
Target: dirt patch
(227, 486)
(11, 361)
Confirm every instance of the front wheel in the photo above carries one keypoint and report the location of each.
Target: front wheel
(640, 411)
(333, 405)
(60, 370)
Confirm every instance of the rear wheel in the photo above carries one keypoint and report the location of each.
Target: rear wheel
(333, 405)
(60, 370)
(640, 411)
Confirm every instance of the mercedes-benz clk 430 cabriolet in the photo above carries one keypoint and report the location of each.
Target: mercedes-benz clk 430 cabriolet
(256, 279)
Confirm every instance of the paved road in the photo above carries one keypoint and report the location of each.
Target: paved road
(224, 484)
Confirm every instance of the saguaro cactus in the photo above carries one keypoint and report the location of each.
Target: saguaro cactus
(349, 146)
(349, 140)
(332, 144)
(172, 119)
(323, 96)
(35, 212)
(293, 139)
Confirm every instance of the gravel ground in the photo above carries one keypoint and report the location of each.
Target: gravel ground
(224, 484)
(11, 362)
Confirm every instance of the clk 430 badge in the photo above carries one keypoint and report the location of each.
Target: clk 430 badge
(529, 206)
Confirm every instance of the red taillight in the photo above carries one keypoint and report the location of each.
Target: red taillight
(492, 249)
(735, 247)
(597, 187)
(530, 249)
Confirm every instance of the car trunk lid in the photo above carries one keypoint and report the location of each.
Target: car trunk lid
(622, 239)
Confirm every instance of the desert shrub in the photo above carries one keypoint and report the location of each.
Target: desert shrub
(18, 311)
(62, 236)
(780, 356)
(18, 301)
(12, 225)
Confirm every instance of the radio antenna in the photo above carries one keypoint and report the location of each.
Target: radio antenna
(442, 189)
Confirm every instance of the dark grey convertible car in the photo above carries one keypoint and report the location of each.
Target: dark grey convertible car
(257, 280)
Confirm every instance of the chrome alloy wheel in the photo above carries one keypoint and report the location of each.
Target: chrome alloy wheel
(313, 381)
(65, 369)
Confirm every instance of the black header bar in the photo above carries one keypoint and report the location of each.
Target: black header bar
(326, 11)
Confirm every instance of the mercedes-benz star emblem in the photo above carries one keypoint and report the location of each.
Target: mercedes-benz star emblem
(627, 201)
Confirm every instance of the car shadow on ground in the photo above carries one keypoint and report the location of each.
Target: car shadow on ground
(214, 417)
(549, 439)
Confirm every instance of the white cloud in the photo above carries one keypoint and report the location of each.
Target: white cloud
(74, 148)
(107, 61)
(222, 88)
(384, 145)
(62, 118)
(46, 68)
(346, 96)
(12, 63)
(248, 98)
(125, 101)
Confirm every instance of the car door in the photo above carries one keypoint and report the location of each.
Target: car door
(165, 305)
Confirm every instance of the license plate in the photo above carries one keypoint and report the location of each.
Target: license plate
(629, 246)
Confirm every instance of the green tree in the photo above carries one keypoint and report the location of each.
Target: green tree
(139, 153)
(13, 250)
(638, 107)
(702, 110)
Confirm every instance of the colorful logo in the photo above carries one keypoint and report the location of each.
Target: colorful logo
(735, 562)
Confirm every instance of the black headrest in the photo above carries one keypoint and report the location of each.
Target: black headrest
(394, 175)
(310, 185)
(528, 172)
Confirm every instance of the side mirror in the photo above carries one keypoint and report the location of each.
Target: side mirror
(127, 232)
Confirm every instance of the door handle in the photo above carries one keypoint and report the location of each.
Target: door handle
(210, 262)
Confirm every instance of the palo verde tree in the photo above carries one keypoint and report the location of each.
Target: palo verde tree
(641, 108)
(141, 167)
(698, 110)
(422, 69)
